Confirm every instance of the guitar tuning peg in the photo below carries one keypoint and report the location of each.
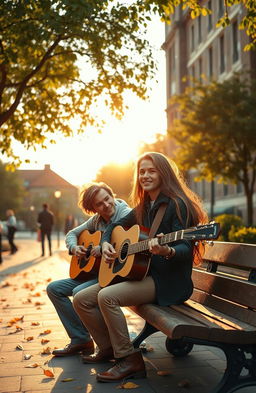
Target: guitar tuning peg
(212, 222)
(210, 243)
(196, 243)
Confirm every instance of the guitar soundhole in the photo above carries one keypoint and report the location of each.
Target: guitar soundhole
(119, 262)
(84, 260)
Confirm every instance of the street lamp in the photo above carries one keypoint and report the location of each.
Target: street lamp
(57, 195)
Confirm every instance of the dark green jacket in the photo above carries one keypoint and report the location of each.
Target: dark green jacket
(172, 277)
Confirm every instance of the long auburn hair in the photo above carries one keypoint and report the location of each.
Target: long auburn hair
(174, 186)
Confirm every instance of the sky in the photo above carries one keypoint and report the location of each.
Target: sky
(78, 158)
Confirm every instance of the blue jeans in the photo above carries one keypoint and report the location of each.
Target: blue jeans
(59, 292)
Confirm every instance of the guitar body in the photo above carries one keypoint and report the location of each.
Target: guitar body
(125, 267)
(83, 267)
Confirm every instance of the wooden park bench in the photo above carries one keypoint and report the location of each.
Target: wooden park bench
(220, 313)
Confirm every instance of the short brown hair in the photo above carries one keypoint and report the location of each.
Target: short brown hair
(88, 193)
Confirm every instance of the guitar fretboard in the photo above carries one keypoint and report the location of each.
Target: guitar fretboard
(143, 244)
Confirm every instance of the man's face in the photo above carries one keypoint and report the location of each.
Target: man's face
(104, 204)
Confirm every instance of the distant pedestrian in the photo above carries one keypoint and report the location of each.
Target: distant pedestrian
(11, 228)
(45, 222)
(69, 223)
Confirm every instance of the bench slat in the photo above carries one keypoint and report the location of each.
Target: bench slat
(226, 287)
(232, 254)
(231, 309)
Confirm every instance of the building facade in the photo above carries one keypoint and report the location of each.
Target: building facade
(196, 48)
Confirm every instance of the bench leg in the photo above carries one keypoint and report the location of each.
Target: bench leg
(237, 361)
(146, 331)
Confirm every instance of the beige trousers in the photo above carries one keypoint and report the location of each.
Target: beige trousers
(100, 311)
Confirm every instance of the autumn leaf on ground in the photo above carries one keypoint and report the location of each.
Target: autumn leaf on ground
(184, 384)
(3, 299)
(44, 341)
(39, 303)
(48, 373)
(5, 284)
(34, 365)
(30, 338)
(18, 329)
(35, 323)
(14, 320)
(163, 373)
(48, 331)
(19, 347)
(46, 351)
(37, 294)
(27, 356)
(48, 280)
(128, 385)
(67, 379)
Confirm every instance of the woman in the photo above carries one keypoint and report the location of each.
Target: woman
(12, 228)
(168, 282)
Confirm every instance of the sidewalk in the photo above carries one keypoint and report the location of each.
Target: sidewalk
(28, 320)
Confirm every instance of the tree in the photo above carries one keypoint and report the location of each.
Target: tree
(12, 191)
(216, 132)
(43, 44)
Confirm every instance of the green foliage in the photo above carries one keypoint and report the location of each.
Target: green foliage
(228, 221)
(43, 45)
(216, 132)
(12, 191)
(243, 235)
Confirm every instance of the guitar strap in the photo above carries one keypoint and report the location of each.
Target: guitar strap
(157, 220)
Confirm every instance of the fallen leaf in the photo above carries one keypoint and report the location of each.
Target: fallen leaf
(184, 384)
(27, 356)
(35, 323)
(5, 284)
(37, 294)
(30, 338)
(163, 373)
(67, 380)
(48, 373)
(46, 351)
(19, 347)
(48, 280)
(34, 365)
(47, 331)
(44, 341)
(14, 320)
(39, 303)
(128, 385)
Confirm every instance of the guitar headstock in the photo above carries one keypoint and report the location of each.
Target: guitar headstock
(210, 231)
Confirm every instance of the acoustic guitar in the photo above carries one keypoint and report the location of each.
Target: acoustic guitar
(84, 267)
(133, 258)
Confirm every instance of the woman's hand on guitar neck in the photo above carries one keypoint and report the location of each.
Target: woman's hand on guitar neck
(156, 249)
(108, 252)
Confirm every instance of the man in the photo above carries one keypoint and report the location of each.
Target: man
(45, 222)
(97, 199)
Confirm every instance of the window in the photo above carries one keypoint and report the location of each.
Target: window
(225, 189)
(210, 63)
(200, 69)
(210, 16)
(220, 8)
(239, 188)
(199, 29)
(192, 38)
(172, 69)
(222, 54)
(235, 42)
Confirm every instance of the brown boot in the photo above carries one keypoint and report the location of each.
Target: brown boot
(100, 356)
(131, 366)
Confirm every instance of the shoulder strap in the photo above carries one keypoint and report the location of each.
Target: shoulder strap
(157, 220)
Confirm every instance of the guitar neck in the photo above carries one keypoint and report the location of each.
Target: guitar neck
(167, 238)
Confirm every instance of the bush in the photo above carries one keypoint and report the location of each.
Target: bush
(243, 235)
(227, 221)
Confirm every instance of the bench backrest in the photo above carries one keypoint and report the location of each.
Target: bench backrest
(226, 281)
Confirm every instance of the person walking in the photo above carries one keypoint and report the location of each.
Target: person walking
(45, 222)
(97, 200)
(157, 182)
(11, 229)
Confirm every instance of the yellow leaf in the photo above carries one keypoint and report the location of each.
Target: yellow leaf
(128, 385)
(48, 373)
(67, 379)
(44, 341)
(30, 338)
